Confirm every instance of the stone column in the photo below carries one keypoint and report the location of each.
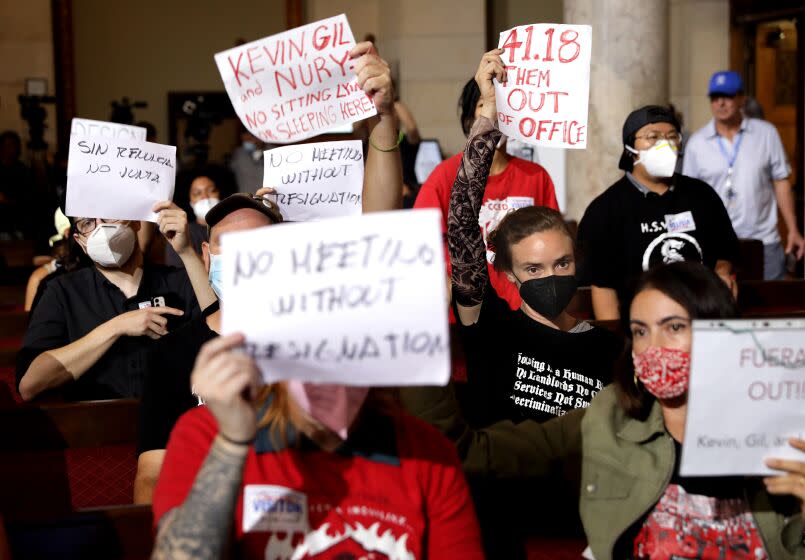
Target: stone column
(629, 69)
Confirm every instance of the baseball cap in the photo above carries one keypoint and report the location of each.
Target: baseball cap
(725, 82)
(637, 120)
(238, 201)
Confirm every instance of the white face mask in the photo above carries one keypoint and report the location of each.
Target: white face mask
(659, 160)
(111, 245)
(201, 207)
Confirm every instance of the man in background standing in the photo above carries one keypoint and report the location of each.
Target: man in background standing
(744, 161)
(247, 162)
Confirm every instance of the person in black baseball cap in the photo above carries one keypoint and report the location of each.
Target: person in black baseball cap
(651, 216)
(650, 114)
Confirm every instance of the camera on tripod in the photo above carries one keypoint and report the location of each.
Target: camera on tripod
(34, 113)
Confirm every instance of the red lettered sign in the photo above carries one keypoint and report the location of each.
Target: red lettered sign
(544, 100)
(297, 84)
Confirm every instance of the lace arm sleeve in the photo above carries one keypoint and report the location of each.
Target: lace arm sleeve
(464, 239)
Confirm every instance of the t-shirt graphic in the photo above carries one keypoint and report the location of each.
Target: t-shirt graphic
(684, 525)
(550, 389)
(669, 247)
(351, 542)
(494, 210)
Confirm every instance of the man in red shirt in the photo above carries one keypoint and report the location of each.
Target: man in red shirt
(513, 183)
(310, 471)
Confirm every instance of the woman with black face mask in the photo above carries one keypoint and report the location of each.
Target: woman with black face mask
(534, 363)
(539, 361)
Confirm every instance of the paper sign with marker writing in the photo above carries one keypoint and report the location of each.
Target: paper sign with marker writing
(544, 99)
(315, 181)
(357, 300)
(118, 179)
(88, 127)
(746, 396)
(297, 84)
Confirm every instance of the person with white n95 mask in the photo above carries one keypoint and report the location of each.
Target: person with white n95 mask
(89, 336)
(651, 216)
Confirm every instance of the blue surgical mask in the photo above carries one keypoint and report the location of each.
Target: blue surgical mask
(249, 146)
(216, 270)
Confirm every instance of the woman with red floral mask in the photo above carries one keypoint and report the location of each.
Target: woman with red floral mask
(634, 503)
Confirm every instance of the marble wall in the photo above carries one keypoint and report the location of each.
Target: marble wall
(698, 46)
(629, 68)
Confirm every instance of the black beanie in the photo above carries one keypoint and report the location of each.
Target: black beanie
(637, 120)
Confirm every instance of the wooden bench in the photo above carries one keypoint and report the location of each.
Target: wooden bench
(16, 254)
(114, 533)
(67, 456)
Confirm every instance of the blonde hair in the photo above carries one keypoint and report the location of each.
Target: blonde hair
(277, 415)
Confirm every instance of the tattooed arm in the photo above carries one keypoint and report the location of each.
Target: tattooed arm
(201, 527)
(464, 239)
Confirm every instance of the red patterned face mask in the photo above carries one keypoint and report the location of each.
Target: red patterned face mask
(664, 371)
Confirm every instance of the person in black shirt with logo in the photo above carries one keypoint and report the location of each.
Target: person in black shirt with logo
(91, 329)
(651, 216)
(535, 363)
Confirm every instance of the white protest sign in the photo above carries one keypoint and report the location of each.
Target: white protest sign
(544, 100)
(297, 84)
(315, 181)
(88, 127)
(357, 300)
(746, 396)
(117, 178)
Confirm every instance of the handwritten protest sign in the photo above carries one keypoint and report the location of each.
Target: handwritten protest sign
(544, 100)
(88, 127)
(746, 396)
(296, 84)
(315, 181)
(117, 178)
(357, 300)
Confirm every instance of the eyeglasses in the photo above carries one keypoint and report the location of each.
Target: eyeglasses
(85, 226)
(654, 137)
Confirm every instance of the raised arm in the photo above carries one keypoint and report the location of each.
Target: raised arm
(464, 239)
(382, 176)
(172, 223)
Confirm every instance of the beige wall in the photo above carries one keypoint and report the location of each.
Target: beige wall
(26, 51)
(510, 13)
(433, 45)
(698, 45)
(159, 46)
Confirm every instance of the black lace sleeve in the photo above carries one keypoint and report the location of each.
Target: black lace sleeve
(464, 239)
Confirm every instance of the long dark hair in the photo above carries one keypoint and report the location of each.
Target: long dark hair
(466, 105)
(703, 295)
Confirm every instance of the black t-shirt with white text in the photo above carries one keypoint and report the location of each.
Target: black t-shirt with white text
(519, 369)
(625, 232)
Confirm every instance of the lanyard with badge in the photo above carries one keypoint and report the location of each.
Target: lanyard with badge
(730, 163)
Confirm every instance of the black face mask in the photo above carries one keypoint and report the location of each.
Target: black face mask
(550, 295)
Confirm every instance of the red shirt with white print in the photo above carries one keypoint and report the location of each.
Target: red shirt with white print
(522, 183)
(394, 490)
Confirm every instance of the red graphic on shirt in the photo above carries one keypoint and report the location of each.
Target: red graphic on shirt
(352, 542)
(686, 525)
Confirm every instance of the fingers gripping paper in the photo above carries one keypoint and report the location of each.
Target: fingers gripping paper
(296, 84)
(117, 178)
(544, 100)
(315, 181)
(358, 300)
